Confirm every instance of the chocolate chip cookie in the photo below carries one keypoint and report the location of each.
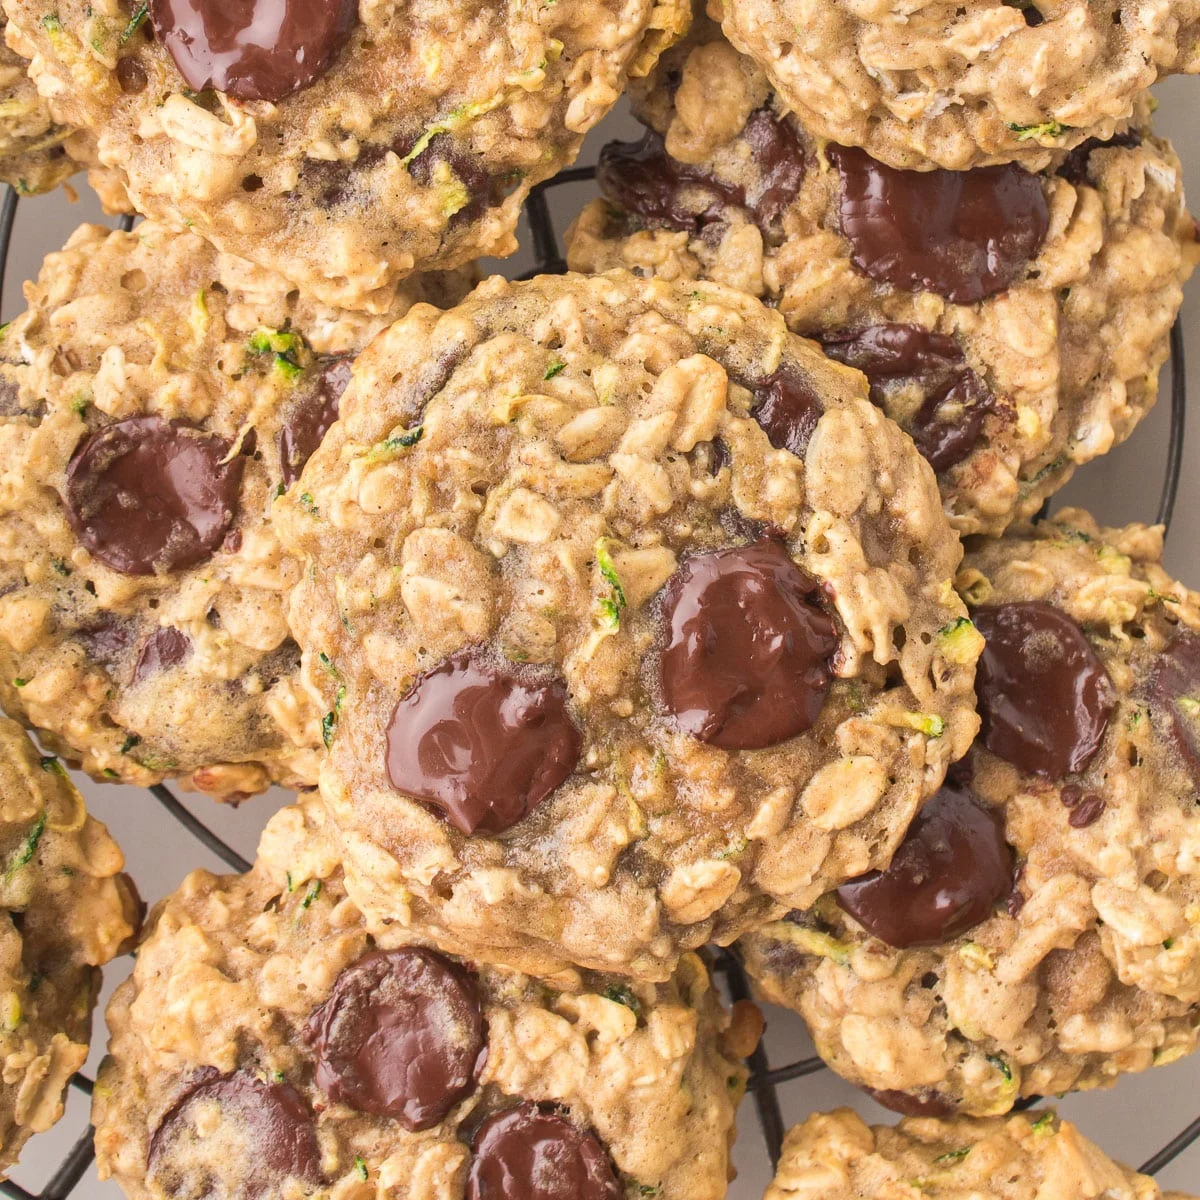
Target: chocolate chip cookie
(344, 145)
(626, 605)
(268, 1044)
(957, 85)
(1030, 1156)
(155, 397)
(68, 910)
(1013, 323)
(1039, 928)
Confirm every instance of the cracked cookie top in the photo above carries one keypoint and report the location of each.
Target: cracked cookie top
(1039, 928)
(1013, 323)
(353, 142)
(68, 910)
(266, 1040)
(957, 85)
(626, 607)
(1031, 1156)
(155, 397)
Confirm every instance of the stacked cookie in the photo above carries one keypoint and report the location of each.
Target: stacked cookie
(603, 617)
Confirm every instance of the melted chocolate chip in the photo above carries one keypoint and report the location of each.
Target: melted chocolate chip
(145, 496)
(1045, 699)
(786, 409)
(481, 189)
(642, 179)
(924, 1103)
(265, 1136)
(401, 1035)
(480, 744)
(778, 155)
(1074, 168)
(106, 639)
(965, 235)
(948, 874)
(253, 49)
(746, 657)
(311, 416)
(165, 648)
(528, 1153)
(1175, 691)
(131, 75)
(1087, 812)
(949, 423)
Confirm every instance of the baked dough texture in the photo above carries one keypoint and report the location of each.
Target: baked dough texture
(1089, 966)
(937, 82)
(1027, 1156)
(235, 972)
(68, 910)
(1006, 383)
(32, 156)
(146, 644)
(530, 488)
(413, 150)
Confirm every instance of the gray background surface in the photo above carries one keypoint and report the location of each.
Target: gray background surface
(1131, 1121)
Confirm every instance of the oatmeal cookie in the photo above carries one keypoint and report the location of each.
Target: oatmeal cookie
(32, 155)
(624, 604)
(1039, 927)
(354, 143)
(154, 398)
(1013, 323)
(267, 1043)
(68, 910)
(964, 83)
(1026, 1156)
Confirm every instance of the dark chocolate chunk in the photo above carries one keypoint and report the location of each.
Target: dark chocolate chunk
(253, 49)
(745, 663)
(1175, 693)
(165, 648)
(145, 496)
(106, 638)
(965, 235)
(778, 155)
(948, 874)
(923, 1103)
(401, 1035)
(481, 744)
(786, 409)
(1074, 168)
(949, 423)
(1045, 699)
(530, 1153)
(265, 1137)
(481, 190)
(310, 417)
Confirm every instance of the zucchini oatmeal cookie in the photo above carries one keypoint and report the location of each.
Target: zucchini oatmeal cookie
(964, 83)
(268, 1044)
(67, 910)
(1026, 1156)
(154, 398)
(624, 604)
(1039, 928)
(350, 143)
(1013, 323)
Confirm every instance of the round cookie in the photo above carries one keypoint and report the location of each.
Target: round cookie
(1013, 323)
(1039, 928)
(1026, 1156)
(610, 670)
(367, 141)
(268, 1042)
(68, 910)
(155, 396)
(958, 85)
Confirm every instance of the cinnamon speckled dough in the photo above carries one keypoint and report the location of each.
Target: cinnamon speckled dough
(1030, 1156)
(959, 85)
(68, 910)
(1064, 359)
(234, 969)
(414, 150)
(520, 480)
(1092, 969)
(187, 670)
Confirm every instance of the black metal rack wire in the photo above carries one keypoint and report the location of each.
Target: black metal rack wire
(764, 1078)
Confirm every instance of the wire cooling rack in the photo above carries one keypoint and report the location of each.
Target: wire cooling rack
(764, 1078)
